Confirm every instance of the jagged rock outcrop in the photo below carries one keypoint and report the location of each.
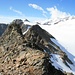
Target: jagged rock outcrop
(26, 20)
(25, 28)
(2, 28)
(24, 54)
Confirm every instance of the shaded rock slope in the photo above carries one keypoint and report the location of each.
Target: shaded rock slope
(28, 54)
(2, 28)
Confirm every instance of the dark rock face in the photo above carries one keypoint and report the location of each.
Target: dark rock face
(17, 21)
(26, 20)
(2, 28)
(24, 54)
(38, 38)
(25, 28)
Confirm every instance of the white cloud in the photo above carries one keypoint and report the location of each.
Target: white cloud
(8, 19)
(55, 13)
(38, 8)
(17, 11)
(5, 19)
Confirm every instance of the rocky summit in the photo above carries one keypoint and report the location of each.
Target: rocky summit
(28, 54)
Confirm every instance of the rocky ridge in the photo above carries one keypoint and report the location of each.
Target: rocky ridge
(28, 54)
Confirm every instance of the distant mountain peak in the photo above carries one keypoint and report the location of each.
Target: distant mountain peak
(17, 21)
(26, 20)
(57, 20)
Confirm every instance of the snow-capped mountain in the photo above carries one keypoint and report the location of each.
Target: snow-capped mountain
(27, 22)
(57, 20)
(57, 42)
(64, 32)
(63, 29)
(27, 54)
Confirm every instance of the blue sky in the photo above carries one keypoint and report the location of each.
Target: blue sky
(35, 9)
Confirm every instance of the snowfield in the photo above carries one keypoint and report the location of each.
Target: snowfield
(64, 32)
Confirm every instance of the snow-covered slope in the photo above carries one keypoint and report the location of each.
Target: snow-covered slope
(26, 25)
(58, 63)
(57, 20)
(27, 22)
(64, 32)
